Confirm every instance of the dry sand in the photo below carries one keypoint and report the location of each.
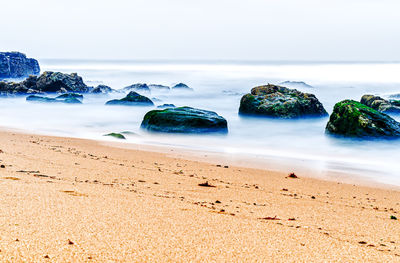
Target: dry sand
(73, 200)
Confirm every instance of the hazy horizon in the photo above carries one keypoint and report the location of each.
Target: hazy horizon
(254, 30)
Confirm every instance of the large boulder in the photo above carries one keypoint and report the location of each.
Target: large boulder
(50, 82)
(280, 102)
(184, 120)
(17, 65)
(380, 104)
(132, 99)
(354, 119)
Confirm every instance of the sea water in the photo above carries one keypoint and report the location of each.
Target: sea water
(218, 86)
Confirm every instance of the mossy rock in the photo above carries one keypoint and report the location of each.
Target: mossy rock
(354, 119)
(132, 99)
(116, 135)
(184, 120)
(280, 102)
(380, 104)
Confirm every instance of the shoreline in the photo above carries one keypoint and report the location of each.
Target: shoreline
(67, 199)
(284, 164)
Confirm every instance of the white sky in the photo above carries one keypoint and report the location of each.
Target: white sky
(203, 29)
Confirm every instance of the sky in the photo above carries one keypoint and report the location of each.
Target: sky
(305, 30)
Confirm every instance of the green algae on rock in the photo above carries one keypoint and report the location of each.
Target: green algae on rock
(354, 119)
(184, 120)
(380, 104)
(280, 102)
(116, 135)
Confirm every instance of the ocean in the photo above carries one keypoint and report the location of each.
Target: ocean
(218, 86)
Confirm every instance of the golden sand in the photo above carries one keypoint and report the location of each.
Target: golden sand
(73, 200)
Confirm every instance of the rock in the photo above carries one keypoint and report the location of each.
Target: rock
(139, 87)
(101, 89)
(42, 99)
(184, 120)
(380, 104)
(50, 82)
(295, 84)
(280, 102)
(156, 87)
(17, 65)
(166, 106)
(181, 86)
(132, 99)
(354, 119)
(116, 135)
(70, 95)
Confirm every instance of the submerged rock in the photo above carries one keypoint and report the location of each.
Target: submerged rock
(17, 65)
(139, 87)
(101, 89)
(166, 106)
(157, 87)
(132, 99)
(43, 99)
(116, 135)
(70, 95)
(280, 102)
(380, 104)
(295, 84)
(354, 119)
(184, 120)
(181, 86)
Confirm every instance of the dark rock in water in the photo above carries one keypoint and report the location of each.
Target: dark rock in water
(42, 99)
(101, 89)
(166, 106)
(184, 120)
(139, 87)
(156, 87)
(55, 81)
(380, 104)
(280, 102)
(48, 82)
(17, 65)
(70, 95)
(116, 135)
(354, 119)
(181, 86)
(132, 99)
(295, 84)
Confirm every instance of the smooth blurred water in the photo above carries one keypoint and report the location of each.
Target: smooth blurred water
(218, 86)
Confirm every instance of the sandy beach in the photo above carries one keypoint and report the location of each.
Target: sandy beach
(74, 200)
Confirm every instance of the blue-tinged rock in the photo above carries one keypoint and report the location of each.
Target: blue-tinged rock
(17, 65)
(181, 86)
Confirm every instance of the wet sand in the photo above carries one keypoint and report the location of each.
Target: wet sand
(74, 200)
